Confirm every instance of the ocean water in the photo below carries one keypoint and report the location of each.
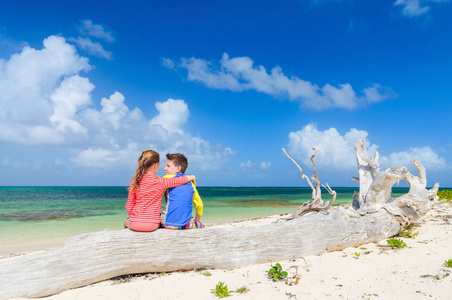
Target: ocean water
(33, 214)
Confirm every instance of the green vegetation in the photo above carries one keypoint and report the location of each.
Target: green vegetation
(408, 232)
(448, 263)
(445, 195)
(206, 273)
(396, 243)
(276, 272)
(242, 290)
(307, 269)
(221, 290)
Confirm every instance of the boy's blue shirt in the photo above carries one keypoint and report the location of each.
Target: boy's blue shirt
(179, 209)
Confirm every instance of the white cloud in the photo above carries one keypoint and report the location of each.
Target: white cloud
(20, 166)
(337, 152)
(27, 82)
(239, 74)
(265, 165)
(251, 166)
(172, 115)
(425, 155)
(93, 48)
(72, 95)
(413, 8)
(120, 133)
(45, 101)
(88, 28)
(7, 44)
(96, 158)
(169, 63)
(247, 165)
(199, 70)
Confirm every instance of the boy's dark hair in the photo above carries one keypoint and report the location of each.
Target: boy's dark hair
(178, 159)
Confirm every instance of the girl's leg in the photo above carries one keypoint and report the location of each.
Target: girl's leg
(141, 226)
(127, 223)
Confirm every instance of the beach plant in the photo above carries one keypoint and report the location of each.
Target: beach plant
(445, 195)
(357, 255)
(306, 263)
(408, 232)
(448, 263)
(396, 243)
(206, 273)
(221, 290)
(276, 272)
(242, 290)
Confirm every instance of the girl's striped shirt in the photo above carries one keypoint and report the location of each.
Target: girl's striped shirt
(144, 203)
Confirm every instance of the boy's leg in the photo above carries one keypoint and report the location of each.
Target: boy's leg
(195, 224)
(192, 225)
(174, 227)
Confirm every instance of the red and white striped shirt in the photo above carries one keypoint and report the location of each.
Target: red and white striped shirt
(144, 203)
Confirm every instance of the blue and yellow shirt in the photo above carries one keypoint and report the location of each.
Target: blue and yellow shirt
(179, 206)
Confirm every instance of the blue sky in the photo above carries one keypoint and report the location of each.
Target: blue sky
(86, 85)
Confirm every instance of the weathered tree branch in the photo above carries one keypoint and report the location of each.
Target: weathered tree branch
(301, 171)
(367, 170)
(375, 188)
(316, 204)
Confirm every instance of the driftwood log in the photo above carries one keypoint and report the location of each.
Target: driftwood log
(98, 256)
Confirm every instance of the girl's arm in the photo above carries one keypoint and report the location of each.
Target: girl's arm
(191, 177)
(131, 200)
(176, 181)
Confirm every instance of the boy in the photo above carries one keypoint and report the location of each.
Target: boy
(178, 211)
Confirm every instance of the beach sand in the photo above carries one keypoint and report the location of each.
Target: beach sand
(371, 271)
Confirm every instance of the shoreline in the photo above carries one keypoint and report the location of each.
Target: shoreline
(371, 271)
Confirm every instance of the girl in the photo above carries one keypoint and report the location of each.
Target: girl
(145, 193)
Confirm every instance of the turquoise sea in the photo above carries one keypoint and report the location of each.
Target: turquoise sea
(34, 214)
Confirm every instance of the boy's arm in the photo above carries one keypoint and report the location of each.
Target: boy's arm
(197, 201)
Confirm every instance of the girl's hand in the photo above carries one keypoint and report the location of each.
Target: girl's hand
(191, 178)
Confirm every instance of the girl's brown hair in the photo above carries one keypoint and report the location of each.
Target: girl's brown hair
(145, 161)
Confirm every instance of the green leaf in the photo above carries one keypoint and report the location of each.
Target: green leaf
(276, 276)
(279, 267)
(283, 274)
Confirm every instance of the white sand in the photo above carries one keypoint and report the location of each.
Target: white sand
(380, 272)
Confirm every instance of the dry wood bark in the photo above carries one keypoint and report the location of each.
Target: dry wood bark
(98, 256)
